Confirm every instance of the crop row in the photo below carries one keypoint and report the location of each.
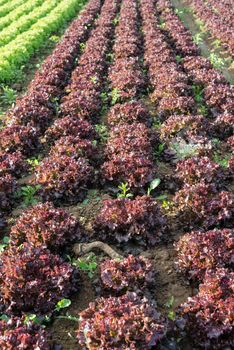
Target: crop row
(19, 50)
(198, 200)
(220, 27)
(34, 112)
(14, 15)
(126, 49)
(7, 7)
(71, 155)
(128, 154)
(24, 22)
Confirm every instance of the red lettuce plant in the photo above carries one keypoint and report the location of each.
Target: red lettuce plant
(230, 142)
(209, 315)
(129, 155)
(69, 126)
(183, 126)
(130, 139)
(17, 334)
(45, 225)
(223, 126)
(13, 163)
(84, 105)
(231, 164)
(8, 187)
(180, 105)
(203, 204)
(129, 112)
(84, 92)
(136, 170)
(172, 90)
(32, 109)
(196, 169)
(63, 178)
(127, 322)
(19, 138)
(131, 80)
(191, 62)
(131, 273)
(199, 251)
(33, 279)
(219, 97)
(75, 147)
(203, 76)
(121, 220)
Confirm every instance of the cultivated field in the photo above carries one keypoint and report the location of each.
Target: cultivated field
(116, 175)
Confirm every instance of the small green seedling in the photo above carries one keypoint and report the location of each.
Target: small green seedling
(110, 57)
(8, 95)
(215, 142)
(221, 159)
(178, 58)
(200, 24)
(198, 93)
(94, 79)
(166, 204)
(34, 162)
(54, 38)
(62, 304)
(156, 124)
(124, 191)
(216, 43)
(28, 193)
(198, 38)
(32, 318)
(82, 46)
(114, 96)
(202, 109)
(88, 264)
(102, 132)
(116, 21)
(154, 184)
(159, 150)
(216, 61)
(4, 244)
(104, 97)
(169, 304)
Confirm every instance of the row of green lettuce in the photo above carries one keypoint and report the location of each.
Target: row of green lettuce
(18, 51)
(21, 10)
(25, 22)
(10, 6)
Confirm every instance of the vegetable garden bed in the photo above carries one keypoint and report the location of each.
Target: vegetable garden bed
(116, 189)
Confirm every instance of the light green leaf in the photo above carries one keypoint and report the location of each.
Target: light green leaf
(63, 303)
